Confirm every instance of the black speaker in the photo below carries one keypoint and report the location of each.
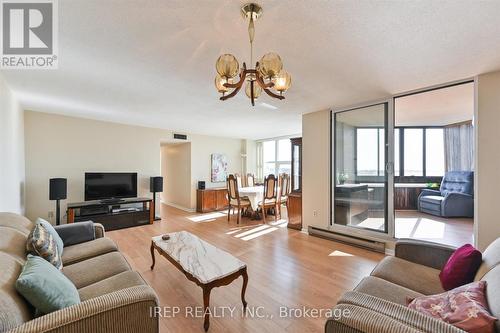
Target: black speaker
(201, 185)
(57, 188)
(156, 184)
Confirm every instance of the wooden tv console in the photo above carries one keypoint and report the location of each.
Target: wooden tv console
(113, 215)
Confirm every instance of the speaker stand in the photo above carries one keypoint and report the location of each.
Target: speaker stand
(157, 218)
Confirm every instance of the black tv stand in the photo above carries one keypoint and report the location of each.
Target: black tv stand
(113, 214)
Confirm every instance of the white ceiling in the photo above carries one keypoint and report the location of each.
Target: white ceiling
(152, 62)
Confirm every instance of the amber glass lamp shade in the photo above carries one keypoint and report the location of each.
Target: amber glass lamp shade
(270, 65)
(219, 84)
(227, 66)
(282, 81)
(257, 90)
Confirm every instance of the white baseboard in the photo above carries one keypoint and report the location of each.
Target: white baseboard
(171, 204)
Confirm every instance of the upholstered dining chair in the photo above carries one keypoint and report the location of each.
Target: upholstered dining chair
(284, 190)
(250, 180)
(269, 199)
(235, 201)
(239, 180)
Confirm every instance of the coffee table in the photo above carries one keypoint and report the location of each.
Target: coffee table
(202, 263)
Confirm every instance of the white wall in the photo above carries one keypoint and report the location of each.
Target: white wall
(176, 172)
(67, 147)
(487, 181)
(316, 169)
(202, 147)
(12, 172)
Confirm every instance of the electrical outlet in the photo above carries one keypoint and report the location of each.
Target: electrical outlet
(50, 215)
(315, 213)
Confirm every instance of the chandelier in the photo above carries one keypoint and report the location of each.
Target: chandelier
(268, 74)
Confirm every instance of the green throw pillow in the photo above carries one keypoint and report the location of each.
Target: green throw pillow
(45, 287)
(53, 232)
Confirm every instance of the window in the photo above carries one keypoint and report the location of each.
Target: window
(434, 152)
(277, 156)
(422, 149)
(413, 152)
(370, 151)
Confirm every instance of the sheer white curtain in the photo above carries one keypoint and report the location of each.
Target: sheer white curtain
(459, 147)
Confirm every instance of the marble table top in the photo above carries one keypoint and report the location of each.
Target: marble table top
(204, 261)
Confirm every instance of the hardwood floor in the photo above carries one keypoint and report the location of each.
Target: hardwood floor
(450, 231)
(286, 268)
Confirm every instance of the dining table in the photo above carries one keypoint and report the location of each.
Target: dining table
(254, 195)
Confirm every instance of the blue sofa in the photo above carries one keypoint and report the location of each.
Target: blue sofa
(455, 197)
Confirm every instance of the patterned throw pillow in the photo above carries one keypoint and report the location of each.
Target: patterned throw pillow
(464, 307)
(41, 243)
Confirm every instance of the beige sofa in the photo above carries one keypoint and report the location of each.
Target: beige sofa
(378, 302)
(113, 297)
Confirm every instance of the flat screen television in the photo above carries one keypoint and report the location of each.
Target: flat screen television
(110, 185)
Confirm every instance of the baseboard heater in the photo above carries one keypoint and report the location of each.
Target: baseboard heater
(347, 239)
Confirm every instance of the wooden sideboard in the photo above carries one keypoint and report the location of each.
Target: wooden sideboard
(295, 210)
(211, 199)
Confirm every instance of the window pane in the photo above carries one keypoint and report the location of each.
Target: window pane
(381, 149)
(285, 168)
(413, 152)
(269, 151)
(284, 150)
(396, 152)
(367, 151)
(434, 150)
(269, 168)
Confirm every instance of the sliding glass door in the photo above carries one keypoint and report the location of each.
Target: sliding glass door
(361, 169)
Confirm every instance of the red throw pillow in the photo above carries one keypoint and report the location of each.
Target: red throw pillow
(461, 267)
(464, 307)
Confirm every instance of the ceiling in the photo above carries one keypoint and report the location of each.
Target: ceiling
(152, 62)
(439, 107)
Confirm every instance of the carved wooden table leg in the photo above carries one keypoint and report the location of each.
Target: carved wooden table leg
(244, 287)
(206, 304)
(152, 255)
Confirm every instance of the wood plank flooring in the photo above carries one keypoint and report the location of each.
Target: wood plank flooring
(286, 268)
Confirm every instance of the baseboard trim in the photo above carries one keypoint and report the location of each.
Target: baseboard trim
(171, 204)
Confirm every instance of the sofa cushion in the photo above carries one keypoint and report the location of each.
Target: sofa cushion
(413, 276)
(491, 259)
(14, 310)
(95, 269)
(114, 283)
(461, 267)
(53, 232)
(464, 307)
(389, 291)
(41, 243)
(87, 250)
(17, 222)
(45, 287)
(434, 199)
(492, 279)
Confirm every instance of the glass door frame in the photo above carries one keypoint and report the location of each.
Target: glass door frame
(389, 173)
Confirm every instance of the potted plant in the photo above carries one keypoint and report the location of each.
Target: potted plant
(342, 177)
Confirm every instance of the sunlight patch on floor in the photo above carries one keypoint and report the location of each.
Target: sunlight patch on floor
(206, 217)
(280, 223)
(372, 223)
(251, 231)
(259, 233)
(419, 228)
(338, 253)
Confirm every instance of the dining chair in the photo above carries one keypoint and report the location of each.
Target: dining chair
(234, 198)
(269, 199)
(250, 180)
(239, 180)
(284, 190)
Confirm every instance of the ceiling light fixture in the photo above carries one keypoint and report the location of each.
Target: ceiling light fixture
(268, 73)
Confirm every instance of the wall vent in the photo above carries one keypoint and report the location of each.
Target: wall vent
(351, 240)
(180, 136)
